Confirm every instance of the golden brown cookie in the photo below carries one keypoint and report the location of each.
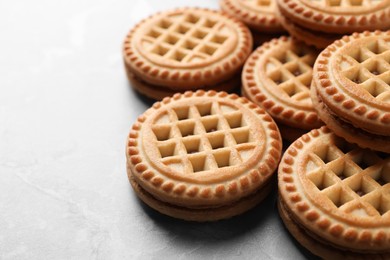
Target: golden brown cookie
(337, 16)
(277, 76)
(187, 48)
(259, 15)
(158, 92)
(335, 197)
(203, 151)
(351, 81)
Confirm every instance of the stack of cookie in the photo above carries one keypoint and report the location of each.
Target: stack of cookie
(203, 156)
(334, 197)
(186, 49)
(321, 22)
(210, 155)
(259, 15)
(277, 76)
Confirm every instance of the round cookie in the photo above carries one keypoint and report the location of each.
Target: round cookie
(158, 92)
(337, 16)
(187, 48)
(259, 15)
(203, 151)
(352, 79)
(335, 197)
(277, 76)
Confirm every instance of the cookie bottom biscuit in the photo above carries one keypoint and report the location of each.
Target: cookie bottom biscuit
(347, 131)
(319, 40)
(316, 247)
(204, 214)
(158, 92)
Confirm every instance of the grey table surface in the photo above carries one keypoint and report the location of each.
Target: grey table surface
(65, 111)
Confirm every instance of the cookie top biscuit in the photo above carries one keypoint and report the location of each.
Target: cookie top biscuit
(187, 48)
(337, 191)
(352, 77)
(203, 149)
(278, 76)
(338, 16)
(260, 15)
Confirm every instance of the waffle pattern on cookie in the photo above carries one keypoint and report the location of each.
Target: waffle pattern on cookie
(353, 82)
(338, 191)
(187, 48)
(278, 76)
(189, 38)
(292, 73)
(260, 4)
(203, 148)
(351, 179)
(204, 137)
(369, 68)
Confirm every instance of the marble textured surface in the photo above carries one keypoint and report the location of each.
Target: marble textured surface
(65, 111)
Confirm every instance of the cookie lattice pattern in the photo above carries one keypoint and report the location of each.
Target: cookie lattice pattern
(347, 3)
(292, 71)
(369, 68)
(186, 38)
(354, 180)
(203, 137)
(260, 3)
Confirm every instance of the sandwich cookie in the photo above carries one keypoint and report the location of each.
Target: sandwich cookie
(277, 76)
(351, 89)
(334, 197)
(188, 48)
(203, 156)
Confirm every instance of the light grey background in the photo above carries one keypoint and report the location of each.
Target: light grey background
(65, 111)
